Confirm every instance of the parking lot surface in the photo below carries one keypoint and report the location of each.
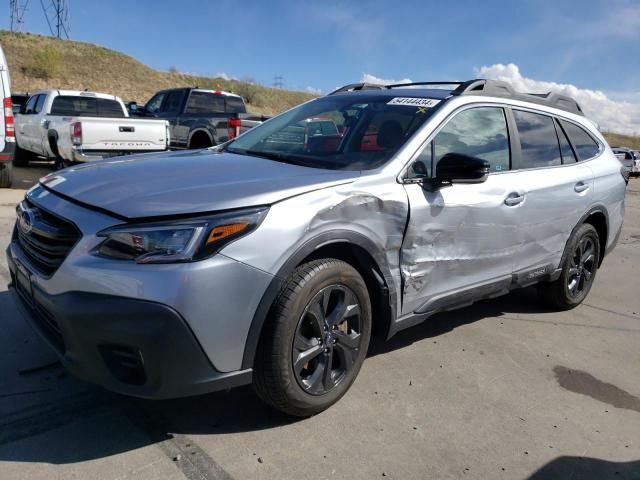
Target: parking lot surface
(502, 389)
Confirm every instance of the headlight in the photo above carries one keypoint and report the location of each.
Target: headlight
(179, 240)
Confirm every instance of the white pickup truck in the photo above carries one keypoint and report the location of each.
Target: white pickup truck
(71, 126)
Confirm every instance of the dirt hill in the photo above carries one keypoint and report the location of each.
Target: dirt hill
(37, 62)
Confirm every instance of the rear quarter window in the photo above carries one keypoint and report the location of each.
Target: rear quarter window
(584, 144)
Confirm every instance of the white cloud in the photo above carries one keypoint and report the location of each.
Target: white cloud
(616, 112)
(368, 78)
(315, 91)
(224, 76)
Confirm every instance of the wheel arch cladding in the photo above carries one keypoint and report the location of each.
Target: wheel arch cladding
(353, 248)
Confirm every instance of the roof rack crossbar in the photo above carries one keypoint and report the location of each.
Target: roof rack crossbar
(357, 86)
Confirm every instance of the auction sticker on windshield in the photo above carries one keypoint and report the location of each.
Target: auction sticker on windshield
(414, 102)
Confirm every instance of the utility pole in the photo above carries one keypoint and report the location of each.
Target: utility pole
(278, 81)
(16, 13)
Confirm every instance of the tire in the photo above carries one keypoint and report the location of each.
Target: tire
(21, 157)
(311, 299)
(6, 176)
(579, 269)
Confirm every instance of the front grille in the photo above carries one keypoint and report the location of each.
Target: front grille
(45, 238)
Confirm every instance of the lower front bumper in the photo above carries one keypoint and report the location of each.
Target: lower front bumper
(134, 347)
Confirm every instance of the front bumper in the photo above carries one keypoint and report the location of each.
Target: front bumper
(135, 347)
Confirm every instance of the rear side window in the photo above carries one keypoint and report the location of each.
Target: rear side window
(479, 132)
(538, 141)
(204, 102)
(565, 147)
(586, 147)
(235, 105)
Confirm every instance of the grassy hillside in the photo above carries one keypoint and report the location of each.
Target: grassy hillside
(617, 140)
(38, 62)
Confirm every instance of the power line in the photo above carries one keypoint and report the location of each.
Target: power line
(278, 81)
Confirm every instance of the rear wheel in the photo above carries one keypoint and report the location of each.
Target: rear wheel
(315, 340)
(21, 157)
(578, 270)
(6, 176)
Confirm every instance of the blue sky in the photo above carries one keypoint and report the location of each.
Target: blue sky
(593, 44)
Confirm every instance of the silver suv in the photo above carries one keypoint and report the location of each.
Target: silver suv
(272, 259)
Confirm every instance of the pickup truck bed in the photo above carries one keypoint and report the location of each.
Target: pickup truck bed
(70, 126)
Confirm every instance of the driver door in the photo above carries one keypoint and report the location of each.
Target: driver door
(461, 238)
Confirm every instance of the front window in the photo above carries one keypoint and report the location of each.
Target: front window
(478, 132)
(349, 132)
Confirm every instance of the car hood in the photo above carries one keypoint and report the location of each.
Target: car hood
(176, 183)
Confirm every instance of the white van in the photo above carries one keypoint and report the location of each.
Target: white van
(7, 131)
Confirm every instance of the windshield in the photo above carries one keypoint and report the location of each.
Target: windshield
(347, 132)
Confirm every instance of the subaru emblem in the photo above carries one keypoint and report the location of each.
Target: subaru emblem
(26, 219)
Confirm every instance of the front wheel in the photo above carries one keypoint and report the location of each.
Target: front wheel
(315, 339)
(578, 270)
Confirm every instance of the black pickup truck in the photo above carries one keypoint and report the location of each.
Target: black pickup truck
(199, 118)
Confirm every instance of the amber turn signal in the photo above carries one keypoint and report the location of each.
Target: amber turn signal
(224, 231)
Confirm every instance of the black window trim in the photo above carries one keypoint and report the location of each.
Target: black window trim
(556, 118)
(560, 130)
(575, 151)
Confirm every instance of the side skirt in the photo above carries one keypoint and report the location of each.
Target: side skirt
(464, 297)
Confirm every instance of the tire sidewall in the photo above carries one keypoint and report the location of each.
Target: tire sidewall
(585, 230)
(336, 273)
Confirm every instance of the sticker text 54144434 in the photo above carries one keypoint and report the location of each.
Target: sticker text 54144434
(414, 102)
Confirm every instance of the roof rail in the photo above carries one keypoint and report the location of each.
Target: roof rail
(496, 88)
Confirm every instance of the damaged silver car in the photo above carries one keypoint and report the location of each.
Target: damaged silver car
(272, 259)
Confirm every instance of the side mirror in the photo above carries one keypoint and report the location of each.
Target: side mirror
(459, 168)
(132, 107)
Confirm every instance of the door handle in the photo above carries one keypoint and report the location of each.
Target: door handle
(514, 199)
(580, 187)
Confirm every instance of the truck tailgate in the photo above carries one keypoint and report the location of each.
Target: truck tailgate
(123, 134)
